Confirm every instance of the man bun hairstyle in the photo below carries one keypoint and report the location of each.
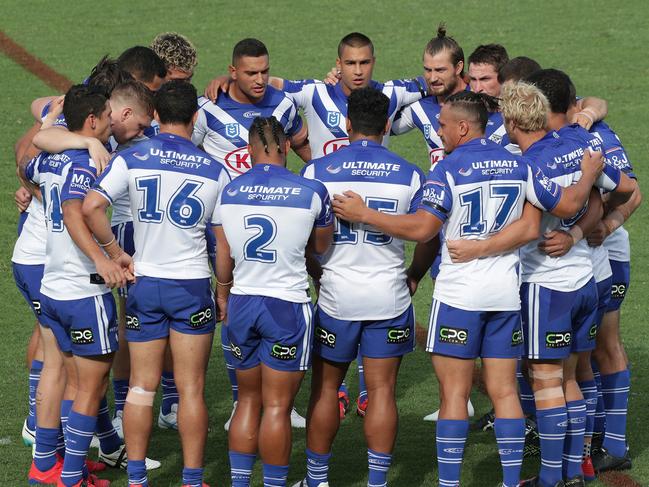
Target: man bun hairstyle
(175, 102)
(367, 110)
(80, 102)
(442, 42)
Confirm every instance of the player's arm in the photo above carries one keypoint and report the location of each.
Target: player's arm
(25, 172)
(403, 122)
(59, 139)
(590, 110)
(614, 218)
(422, 258)
(224, 267)
(623, 191)
(520, 232)
(300, 143)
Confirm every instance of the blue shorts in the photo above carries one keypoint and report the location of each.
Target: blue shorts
(271, 331)
(124, 236)
(340, 340)
(83, 327)
(155, 306)
(470, 334)
(28, 279)
(620, 284)
(556, 323)
(603, 299)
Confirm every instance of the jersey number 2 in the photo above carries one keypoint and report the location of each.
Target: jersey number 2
(255, 247)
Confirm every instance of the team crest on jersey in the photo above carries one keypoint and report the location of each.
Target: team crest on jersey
(333, 119)
(427, 130)
(232, 130)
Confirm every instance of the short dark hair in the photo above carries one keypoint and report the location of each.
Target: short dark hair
(367, 110)
(248, 47)
(355, 39)
(143, 63)
(136, 93)
(555, 85)
(517, 68)
(265, 129)
(443, 42)
(476, 105)
(492, 54)
(80, 102)
(175, 102)
(106, 75)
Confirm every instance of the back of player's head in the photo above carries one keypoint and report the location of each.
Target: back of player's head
(248, 48)
(134, 94)
(268, 133)
(442, 42)
(107, 74)
(175, 102)
(555, 85)
(517, 68)
(475, 107)
(367, 110)
(176, 51)
(355, 39)
(525, 105)
(142, 63)
(492, 54)
(80, 102)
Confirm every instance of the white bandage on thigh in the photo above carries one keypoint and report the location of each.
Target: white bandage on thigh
(548, 393)
(543, 375)
(139, 397)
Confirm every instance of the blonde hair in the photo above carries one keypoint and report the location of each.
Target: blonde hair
(176, 51)
(525, 105)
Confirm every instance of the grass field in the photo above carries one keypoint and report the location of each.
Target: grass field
(595, 42)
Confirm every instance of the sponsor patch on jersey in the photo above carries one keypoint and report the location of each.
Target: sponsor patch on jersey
(252, 114)
(455, 336)
(132, 323)
(558, 339)
(201, 318)
(326, 337)
(284, 352)
(82, 336)
(398, 335)
(81, 180)
(236, 351)
(618, 290)
(335, 144)
(517, 338)
(238, 160)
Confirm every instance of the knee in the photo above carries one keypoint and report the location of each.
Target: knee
(451, 390)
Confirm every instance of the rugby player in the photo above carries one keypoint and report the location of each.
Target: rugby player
(351, 315)
(266, 218)
(470, 194)
(172, 188)
(79, 328)
(178, 54)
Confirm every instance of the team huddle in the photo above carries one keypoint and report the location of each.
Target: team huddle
(184, 205)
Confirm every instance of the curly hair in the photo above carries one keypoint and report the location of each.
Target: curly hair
(176, 51)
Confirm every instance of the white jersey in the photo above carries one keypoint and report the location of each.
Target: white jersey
(476, 191)
(62, 177)
(325, 108)
(172, 187)
(222, 127)
(268, 215)
(363, 273)
(30, 246)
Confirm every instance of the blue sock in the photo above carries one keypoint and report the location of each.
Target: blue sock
(66, 406)
(45, 453)
(573, 446)
(552, 424)
(343, 388)
(225, 345)
(169, 392)
(136, 470)
(275, 475)
(510, 435)
(317, 468)
(615, 389)
(78, 434)
(589, 390)
(193, 477)
(34, 377)
(241, 468)
(108, 437)
(379, 464)
(526, 394)
(451, 437)
(600, 413)
(120, 390)
(362, 388)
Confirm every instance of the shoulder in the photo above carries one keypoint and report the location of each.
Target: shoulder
(203, 101)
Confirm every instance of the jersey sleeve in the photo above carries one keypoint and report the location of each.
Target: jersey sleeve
(297, 90)
(417, 190)
(223, 181)
(200, 128)
(437, 198)
(325, 216)
(32, 172)
(541, 191)
(403, 122)
(609, 179)
(308, 171)
(113, 183)
(78, 182)
(293, 121)
(409, 90)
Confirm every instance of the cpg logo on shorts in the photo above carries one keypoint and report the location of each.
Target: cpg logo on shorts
(82, 336)
(201, 318)
(398, 335)
(454, 336)
(557, 339)
(284, 352)
(326, 337)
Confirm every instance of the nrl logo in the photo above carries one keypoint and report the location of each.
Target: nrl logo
(232, 130)
(333, 119)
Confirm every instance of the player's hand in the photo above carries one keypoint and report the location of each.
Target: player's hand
(55, 109)
(598, 235)
(125, 261)
(464, 250)
(221, 308)
(98, 154)
(333, 77)
(412, 284)
(349, 206)
(584, 118)
(111, 272)
(22, 198)
(556, 243)
(592, 163)
(220, 84)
